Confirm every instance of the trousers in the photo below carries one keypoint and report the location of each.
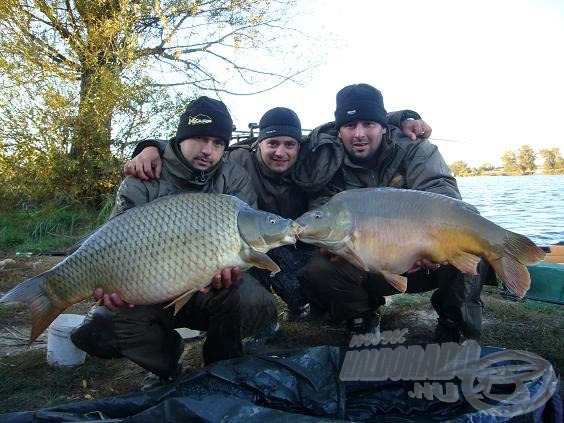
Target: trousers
(346, 292)
(145, 334)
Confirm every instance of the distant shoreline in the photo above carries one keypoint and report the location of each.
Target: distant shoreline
(502, 173)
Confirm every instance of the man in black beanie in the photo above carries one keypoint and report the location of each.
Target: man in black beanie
(192, 162)
(271, 161)
(361, 150)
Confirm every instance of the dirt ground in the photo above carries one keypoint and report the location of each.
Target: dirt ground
(527, 326)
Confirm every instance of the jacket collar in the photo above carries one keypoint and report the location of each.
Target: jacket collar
(182, 170)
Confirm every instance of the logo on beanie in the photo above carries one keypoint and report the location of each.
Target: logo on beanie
(199, 119)
(351, 112)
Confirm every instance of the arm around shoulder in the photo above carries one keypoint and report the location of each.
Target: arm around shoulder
(397, 118)
(141, 145)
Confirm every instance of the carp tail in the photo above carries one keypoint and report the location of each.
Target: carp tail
(523, 249)
(43, 311)
(518, 250)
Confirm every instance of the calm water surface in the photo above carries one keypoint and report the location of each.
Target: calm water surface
(530, 205)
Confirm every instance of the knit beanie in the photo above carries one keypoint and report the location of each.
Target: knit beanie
(205, 117)
(280, 121)
(360, 102)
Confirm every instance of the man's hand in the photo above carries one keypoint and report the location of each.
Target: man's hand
(146, 165)
(425, 264)
(112, 301)
(414, 129)
(224, 279)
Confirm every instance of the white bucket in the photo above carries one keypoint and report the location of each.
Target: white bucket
(186, 333)
(61, 352)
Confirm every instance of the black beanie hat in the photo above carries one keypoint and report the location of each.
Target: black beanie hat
(205, 117)
(360, 102)
(278, 122)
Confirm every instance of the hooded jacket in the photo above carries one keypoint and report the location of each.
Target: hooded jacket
(178, 176)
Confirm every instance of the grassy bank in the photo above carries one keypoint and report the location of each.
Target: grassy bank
(47, 230)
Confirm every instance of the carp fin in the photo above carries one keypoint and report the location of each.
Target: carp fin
(181, 301)
(522, 248)
(260, 260)
(465, 262)
(43, 311)
(514, 274)
(399, 282)
(348, 253)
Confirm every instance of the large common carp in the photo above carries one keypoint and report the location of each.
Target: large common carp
(387, 230)
(164, 250)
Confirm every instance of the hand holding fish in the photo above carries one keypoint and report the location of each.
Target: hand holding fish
(112, 301)
(426, 264)
(224, 279)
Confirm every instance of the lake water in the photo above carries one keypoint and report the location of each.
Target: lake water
(530, 205)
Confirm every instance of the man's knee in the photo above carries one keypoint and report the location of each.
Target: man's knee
(95, 335)
(258, 306)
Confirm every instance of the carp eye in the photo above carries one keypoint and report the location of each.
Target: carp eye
(272, 221)
(317, 215)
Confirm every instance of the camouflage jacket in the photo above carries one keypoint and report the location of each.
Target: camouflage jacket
(177, 177)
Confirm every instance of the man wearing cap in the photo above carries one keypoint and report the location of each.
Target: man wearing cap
(192, 162)
(361, 150)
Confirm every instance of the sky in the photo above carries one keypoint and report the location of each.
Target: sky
(486, 75)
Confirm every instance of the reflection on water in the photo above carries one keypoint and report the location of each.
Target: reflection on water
(530, 205)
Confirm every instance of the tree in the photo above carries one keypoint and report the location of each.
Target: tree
(486, 167)
(553, 161)
(460, 168)
(526, 159)
(98, 71)
(509, 161)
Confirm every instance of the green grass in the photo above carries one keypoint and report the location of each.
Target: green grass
(47, 230)
(34, 384)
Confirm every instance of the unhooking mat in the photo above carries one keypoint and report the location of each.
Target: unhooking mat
(426, 382)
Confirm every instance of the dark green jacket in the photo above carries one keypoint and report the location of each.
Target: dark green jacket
(227, 178)
(276, 192)
(326, 170)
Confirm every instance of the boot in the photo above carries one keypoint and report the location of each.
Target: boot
(447, 331)
(152, 380)
(368, 322)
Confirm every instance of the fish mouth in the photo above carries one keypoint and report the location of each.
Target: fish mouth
(297, 229)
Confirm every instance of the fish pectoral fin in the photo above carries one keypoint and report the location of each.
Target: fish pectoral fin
(465, 262)
(181, 301)
(348, 253)
(514, 274)
(399, 282)
(260, 260)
